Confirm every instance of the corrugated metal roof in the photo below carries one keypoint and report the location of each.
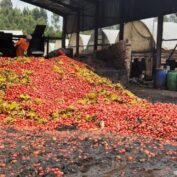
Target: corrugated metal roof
(107, 11)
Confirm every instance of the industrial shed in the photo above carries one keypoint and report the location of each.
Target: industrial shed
(112, 11)
(82, 15)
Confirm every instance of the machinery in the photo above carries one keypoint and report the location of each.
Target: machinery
(36, 47)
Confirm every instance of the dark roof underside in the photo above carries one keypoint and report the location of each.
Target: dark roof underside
(108, 11)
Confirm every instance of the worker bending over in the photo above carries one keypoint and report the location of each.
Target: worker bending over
(22, 45)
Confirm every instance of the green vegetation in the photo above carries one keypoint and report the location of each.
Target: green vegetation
(26, 19)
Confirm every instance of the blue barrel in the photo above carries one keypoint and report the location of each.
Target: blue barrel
(160, 77)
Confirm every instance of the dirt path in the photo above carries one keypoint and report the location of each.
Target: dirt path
(154, 95)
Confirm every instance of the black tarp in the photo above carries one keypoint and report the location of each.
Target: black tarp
(108, 11)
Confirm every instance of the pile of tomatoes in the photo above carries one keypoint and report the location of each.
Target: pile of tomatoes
(47, 94)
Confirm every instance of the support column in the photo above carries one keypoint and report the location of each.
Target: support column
(159, 41)
(122, 20)
(96, 26)
(47, 40)
(121, 33)
(64, 33)
(78, 34)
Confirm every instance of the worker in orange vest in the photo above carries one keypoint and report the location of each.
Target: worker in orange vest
(22, 45)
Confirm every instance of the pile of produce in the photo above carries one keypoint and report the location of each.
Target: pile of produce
(63, 93)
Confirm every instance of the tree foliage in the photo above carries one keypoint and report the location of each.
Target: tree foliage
(6, 4)
(55, 21)
(26, 19)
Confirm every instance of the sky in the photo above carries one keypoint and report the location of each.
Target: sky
(21, 5)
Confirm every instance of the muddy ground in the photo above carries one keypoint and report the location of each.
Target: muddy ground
(154, 95)
(84, 154)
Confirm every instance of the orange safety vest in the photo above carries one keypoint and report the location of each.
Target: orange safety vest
(22, 47)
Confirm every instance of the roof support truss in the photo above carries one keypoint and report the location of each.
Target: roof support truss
(45, 7)
(66, 5)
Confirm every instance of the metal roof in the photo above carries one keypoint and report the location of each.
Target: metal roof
(107, 12)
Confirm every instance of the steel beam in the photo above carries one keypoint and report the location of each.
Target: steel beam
(159, 41)
(96, 26)
(44, 7)
(64, 32)
(76, 9)
(78, 34)
(122, 19)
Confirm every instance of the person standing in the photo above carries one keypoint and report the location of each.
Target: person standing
(22, 45)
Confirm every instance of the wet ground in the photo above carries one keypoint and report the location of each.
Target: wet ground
(81, 154)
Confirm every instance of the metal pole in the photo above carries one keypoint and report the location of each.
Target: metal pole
(121, 17)
(159, 41)
(47, 45)
(64, 33)
(121, 34)
(96, 26)
(78, 34)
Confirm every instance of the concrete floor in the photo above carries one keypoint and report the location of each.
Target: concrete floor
(154, 95)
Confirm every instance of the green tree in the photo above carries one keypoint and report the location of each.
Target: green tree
(36, 13)
(26, 19)
(26, 11)
(43, 14)
(56, 21)
(6, 4)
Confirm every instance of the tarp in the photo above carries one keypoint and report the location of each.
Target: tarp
(111, 35)
(140, 37)
(83, 42)
(143, 35)
(169, 32)
(106, 11)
